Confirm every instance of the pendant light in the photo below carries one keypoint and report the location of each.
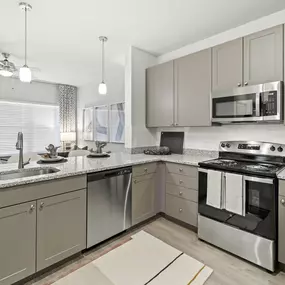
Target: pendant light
(102, 86)
(25, 71)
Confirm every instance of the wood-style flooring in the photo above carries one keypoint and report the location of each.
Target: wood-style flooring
(228, 269)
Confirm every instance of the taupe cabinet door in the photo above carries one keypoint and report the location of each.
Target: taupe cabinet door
(159, 100)
(193, 89)
(143, 199)
(282, 229)
(227, 65)
(17, 242)
(61, 227)
(263, 56)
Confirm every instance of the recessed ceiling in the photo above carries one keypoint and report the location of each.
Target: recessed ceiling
(63, 34)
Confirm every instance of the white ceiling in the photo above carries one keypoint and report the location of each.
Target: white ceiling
(63, 34)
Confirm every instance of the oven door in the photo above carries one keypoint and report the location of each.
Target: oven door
(238, 105)
(259, 215)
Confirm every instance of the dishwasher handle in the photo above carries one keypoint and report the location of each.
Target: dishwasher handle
(108, 174)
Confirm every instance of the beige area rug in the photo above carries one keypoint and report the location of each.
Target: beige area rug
(142, 260)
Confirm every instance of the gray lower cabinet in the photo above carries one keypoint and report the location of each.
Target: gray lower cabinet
(17, 242)
(159, 95)
(227, 65)
(282, 229)
(61, 227)
(193, 89)
(263, 56)
(143, 198)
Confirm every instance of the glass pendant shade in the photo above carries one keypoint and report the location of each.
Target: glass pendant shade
(102, 88)
(6, 72)
(25, 74)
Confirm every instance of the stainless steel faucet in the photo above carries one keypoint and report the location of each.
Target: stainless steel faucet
(20, 147)
(100, 146)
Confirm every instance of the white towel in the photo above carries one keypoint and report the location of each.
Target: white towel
(214, 189)
(234, 194)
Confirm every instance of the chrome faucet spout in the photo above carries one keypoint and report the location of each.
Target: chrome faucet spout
(20, 147)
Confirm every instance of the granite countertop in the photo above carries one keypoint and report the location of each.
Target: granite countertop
(83, 165)
(281, 174)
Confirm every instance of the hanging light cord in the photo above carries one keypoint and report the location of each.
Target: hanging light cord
(103, 63)
(26, 25)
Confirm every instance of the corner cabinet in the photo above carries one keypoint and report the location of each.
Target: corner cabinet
(227, 65)
(61, 227)
(193, 89)
(17, 242)
(160, 100)
(178, 93)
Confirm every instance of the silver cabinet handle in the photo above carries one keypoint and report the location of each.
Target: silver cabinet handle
(239, 85)
(135, 181)
(180, 193)
(180, 181)
(283, 202)
(176, 124)
(180, 169)
(42, 205)
(145, 170)
(246, 83)
(180, 210)
(32, 208)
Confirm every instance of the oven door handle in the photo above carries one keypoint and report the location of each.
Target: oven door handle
(256, 179)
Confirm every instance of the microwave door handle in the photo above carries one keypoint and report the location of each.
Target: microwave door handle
(258, 104)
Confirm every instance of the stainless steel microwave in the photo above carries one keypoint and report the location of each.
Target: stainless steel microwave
(262, 102)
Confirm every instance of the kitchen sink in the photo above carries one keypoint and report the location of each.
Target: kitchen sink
(22, 173)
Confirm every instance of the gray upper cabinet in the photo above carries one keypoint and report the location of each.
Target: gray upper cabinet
(61, 227)
(282, 228)
(263, 56)
(159, 100)
(193, 89)
(17, 242)
(227, 65)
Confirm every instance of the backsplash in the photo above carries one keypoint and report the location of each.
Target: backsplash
(208, 138)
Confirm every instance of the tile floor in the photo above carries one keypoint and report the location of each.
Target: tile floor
(228, 270)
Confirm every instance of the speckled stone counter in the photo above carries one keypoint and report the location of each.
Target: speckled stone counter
(83, 165)
(281, 174)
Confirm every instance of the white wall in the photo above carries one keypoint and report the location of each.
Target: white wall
(13, 89)
(137, 135)
(88, 96)
(241, 31)
(208, 138)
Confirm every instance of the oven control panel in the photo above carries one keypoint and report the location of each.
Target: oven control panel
(253, 147)
(249, 146)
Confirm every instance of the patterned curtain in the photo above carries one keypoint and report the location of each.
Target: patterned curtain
(67, 96)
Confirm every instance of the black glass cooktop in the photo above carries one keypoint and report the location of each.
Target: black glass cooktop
(247, 167)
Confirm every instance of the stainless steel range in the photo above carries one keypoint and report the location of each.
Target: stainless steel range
(238, 200)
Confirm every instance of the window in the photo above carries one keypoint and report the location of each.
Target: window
(39, 124)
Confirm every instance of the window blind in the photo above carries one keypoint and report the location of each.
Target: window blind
(39, 124)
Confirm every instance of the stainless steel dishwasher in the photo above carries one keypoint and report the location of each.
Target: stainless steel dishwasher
(108, 204)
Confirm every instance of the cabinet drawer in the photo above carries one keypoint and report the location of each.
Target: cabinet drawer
(282, 187)
(139, 179)
(182, 180)
(181, 209)
(144, 169)
(182, 192)
(182, 169)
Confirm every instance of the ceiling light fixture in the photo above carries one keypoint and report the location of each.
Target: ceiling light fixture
(7, 68)
(25, 71)
(102, 86)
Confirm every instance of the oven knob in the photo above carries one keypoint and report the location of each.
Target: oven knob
(272, 148)
(228, 145)
(223, 145)
(280, 149)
